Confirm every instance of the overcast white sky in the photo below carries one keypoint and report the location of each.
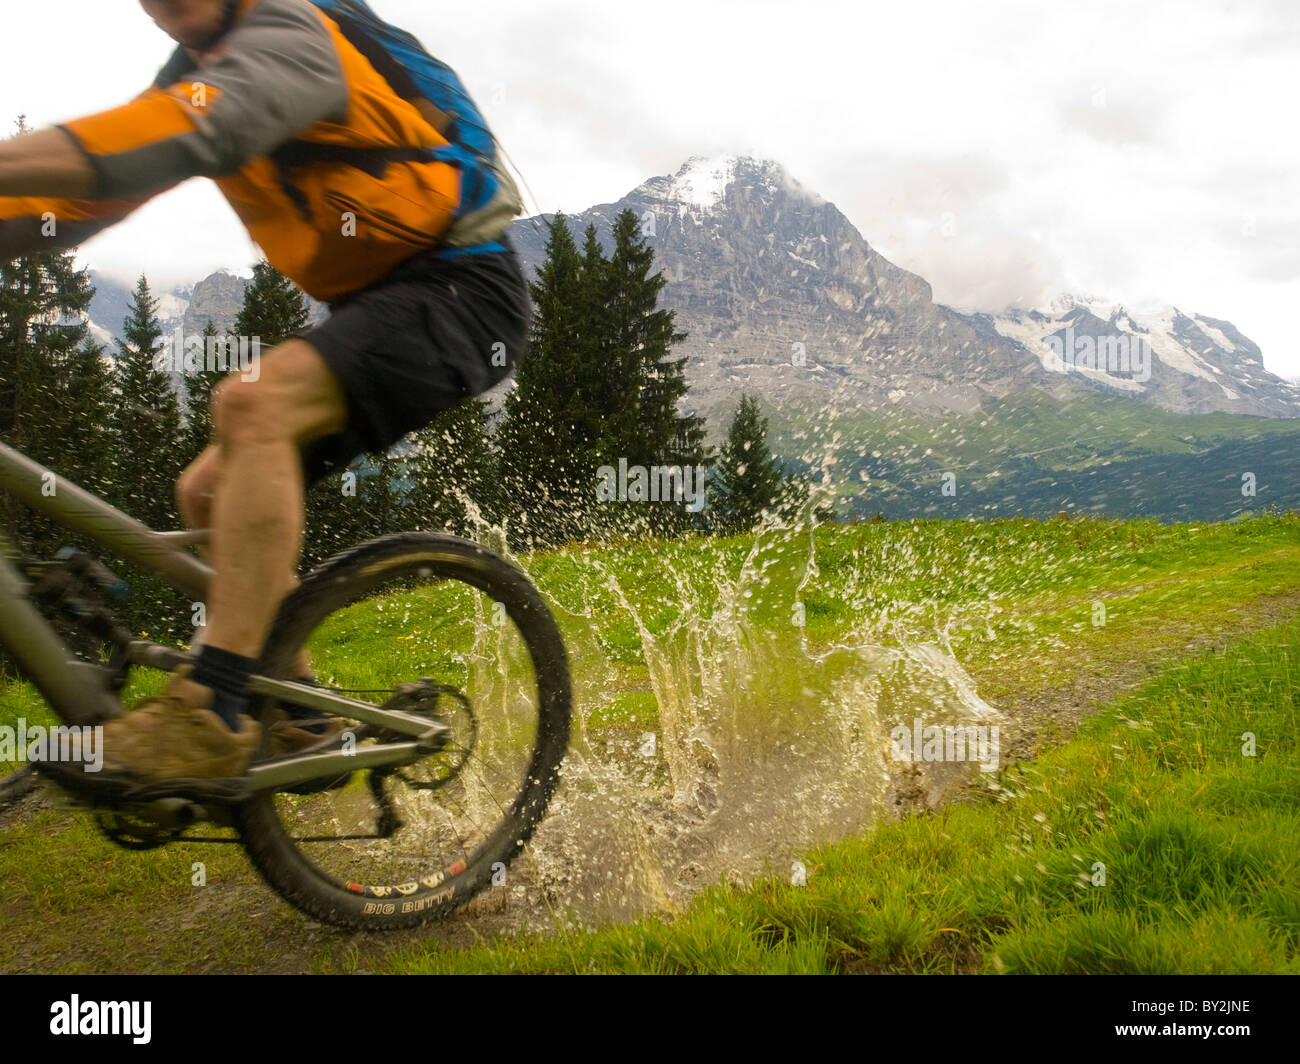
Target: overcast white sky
(1007, 151)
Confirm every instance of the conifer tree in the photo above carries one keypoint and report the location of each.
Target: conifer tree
(82, 418)
(199, 383)
(645, 381)
(274, 308)
(147, 422)
(349, 505)
(335, 511)
(146, 458)
(55, 388)
(644, 335)
(604, 373)
(546, 437)
(747, 480)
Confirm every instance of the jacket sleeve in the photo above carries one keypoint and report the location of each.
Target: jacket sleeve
(273, 76)
(30, 224)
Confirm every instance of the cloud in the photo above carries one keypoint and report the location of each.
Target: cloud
(1120, 124)
(999, 149)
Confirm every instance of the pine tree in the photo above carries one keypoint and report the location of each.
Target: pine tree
(547, 434)
(146, 457)
(54, 386)
(199, 383)
(84, 417)
(747, 479)
(602, 369)
(146, 425)
(645, 381)
(644, 336)
(600, 384)
(274, 308)
(349, 505)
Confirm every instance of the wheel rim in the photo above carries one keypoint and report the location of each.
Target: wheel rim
(445, 618)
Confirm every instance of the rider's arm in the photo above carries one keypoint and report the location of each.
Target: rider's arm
(49, 161)
(273, 76)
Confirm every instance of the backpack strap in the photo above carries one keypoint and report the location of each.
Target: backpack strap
(392, 71)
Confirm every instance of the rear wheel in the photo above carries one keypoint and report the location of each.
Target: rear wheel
(439, 626)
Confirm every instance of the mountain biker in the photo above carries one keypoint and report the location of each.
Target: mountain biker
(326, 165)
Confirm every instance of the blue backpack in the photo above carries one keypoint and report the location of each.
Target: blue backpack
(489, 198)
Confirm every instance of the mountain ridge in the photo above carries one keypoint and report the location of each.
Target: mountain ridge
(757, 263)
(769, 278)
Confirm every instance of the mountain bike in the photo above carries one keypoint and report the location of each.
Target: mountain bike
(441, 659)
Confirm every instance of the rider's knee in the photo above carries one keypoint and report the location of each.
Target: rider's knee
(194, 495)
(243, 412)
(189, 499)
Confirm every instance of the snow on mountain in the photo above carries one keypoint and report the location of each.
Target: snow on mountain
(173, 305)
(1182, 361)
(702, 180)
(778, 291)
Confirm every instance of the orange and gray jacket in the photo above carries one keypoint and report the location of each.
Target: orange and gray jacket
(326, 165)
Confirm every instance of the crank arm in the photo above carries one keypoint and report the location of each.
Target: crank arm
(156, 656)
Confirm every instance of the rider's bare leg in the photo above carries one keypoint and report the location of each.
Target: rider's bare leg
(256, 509)
(194, 493)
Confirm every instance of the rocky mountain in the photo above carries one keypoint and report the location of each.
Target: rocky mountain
(917, 407)
(1183, 362)
(781, 294)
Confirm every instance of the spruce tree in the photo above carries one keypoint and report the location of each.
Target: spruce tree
(84, 417)
(747, 479)
(146, 457)
(645, 381)
(547, 436)
(54, 385)
(644, 336)
(348, 505)
(146, 425)
(603, 371)
(199, 383)
(274, 308)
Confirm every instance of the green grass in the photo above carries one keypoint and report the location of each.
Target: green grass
(1016, 599)
(1147, 844)
(1087, 430)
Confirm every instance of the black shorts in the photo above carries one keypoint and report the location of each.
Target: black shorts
(430, 334)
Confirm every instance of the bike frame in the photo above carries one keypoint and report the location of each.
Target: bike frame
(75, 689)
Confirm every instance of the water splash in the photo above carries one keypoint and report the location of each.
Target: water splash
(714, 737)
